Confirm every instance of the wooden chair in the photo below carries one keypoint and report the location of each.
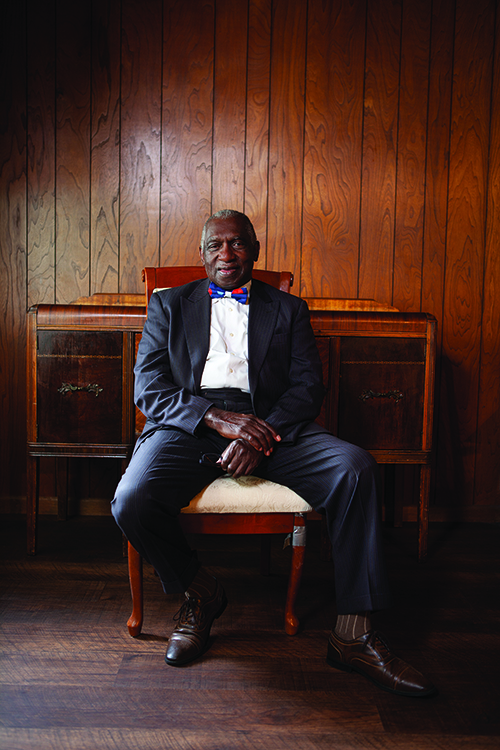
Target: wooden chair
(248, 505)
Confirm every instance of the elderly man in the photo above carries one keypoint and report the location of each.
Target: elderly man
(229, 378)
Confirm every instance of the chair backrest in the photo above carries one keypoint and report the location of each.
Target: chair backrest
(161, 277)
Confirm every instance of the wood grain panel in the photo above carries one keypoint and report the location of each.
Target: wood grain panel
(487, 468)
(437, 169)
(332, 160)
(12, 250)
(140, 140)
(257, 119)
(41, 151)
(41, 208)
(76, 245)
(286, 137)
(229, 104)
(188, 42)
(436, 208)
(105, 156)
(378, 189)
(412, 136)
(72, 150)
(466, 221)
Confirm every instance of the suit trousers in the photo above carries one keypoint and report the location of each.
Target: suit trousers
(336, 478)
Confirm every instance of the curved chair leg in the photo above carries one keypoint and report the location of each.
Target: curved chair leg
(298, 551)
(134, 623)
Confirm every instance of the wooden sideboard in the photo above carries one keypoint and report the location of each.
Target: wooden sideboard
(80, 388)
(378, 369)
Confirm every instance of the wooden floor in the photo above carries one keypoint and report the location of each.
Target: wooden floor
(73, 679)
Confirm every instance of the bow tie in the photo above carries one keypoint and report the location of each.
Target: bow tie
(238, 294)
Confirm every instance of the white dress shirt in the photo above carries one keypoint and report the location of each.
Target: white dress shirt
(227, 360)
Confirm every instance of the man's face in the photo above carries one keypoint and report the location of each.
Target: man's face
(228, 255)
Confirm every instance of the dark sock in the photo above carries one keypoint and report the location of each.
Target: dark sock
(203, 585)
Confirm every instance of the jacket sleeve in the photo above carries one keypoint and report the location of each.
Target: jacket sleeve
(163, 378)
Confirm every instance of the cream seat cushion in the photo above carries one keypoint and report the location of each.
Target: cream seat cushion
(246, 495)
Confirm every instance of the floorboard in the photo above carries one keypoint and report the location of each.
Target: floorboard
(72, 679)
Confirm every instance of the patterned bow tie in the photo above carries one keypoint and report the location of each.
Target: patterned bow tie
(238, 294)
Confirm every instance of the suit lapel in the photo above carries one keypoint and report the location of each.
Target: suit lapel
(261, 325)
(195, 311)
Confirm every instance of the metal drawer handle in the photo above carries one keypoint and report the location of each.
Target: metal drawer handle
(90, 388)
(395, 395)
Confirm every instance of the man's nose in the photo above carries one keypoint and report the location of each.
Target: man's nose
(226, 251)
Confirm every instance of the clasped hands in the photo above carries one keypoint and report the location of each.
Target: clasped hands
(251, 439)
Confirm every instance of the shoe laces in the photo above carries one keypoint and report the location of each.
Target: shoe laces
(379, 644)
(190, 612)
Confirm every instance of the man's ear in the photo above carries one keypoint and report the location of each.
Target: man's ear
(201, 255)
(256, 248)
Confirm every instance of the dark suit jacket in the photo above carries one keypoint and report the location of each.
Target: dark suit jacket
(285, 371)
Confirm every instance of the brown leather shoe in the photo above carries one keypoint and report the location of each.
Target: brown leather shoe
(371, 656)
(190, 638)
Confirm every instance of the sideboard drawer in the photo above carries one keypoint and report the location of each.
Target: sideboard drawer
(79, 386)
(381, 392)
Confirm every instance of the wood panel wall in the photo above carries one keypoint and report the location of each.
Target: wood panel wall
(361, 136)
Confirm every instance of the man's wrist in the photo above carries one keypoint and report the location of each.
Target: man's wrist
(210, 416)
